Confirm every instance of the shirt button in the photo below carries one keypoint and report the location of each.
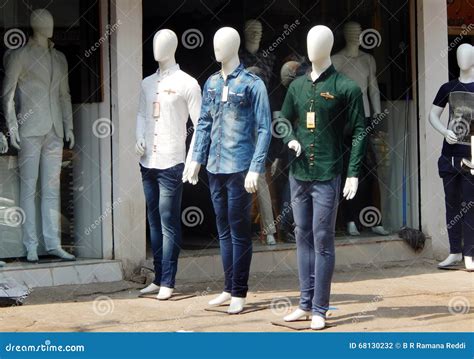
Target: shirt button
(311, 145)
(311, 130)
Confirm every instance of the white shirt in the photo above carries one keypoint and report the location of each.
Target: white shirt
(179, 97)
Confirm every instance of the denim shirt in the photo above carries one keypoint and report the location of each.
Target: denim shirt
(233, 135)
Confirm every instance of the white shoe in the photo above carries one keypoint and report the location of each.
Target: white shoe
(297, 315)
(352, 229)
(469, 263)
(318, 322)
(165, 293)
(271, 240)
(236, 305)
(452, 259)
(152, 288)
(221, 299)
(380, 230)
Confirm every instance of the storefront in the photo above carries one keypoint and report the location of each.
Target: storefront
(109, 51)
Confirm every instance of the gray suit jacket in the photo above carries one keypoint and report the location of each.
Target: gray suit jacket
(36, 91)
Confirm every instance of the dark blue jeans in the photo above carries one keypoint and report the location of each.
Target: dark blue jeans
(232, 207)
(315, 209)
(459, 199)
(163, 192)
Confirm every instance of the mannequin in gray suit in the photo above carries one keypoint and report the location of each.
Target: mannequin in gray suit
(36, 82)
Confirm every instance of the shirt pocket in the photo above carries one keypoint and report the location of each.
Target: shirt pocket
(237, 99)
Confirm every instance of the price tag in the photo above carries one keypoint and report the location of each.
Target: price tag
(310, 120)
(225, 93)
(156, 109)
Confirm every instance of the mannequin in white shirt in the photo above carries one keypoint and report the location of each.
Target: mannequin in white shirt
(167, 99)
(360, 67)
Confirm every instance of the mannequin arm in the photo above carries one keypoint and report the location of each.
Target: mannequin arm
(435, 121)
(350, 188)
(65, 99)
(13, 66)
(374, 92)
(193, 100)
(140, 129)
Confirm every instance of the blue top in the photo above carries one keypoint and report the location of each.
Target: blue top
(233, 135)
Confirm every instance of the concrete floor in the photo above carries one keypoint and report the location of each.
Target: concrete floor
(397, 298)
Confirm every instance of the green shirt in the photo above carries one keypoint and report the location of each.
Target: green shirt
(337, 102)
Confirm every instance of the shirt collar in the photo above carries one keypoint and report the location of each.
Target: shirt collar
(234, 73)
(32, 42)
(326, 73)
(168, 71)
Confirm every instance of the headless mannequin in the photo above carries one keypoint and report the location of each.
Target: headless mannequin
(465, 60)
(360, 67)
(226, 48)
(320, 42)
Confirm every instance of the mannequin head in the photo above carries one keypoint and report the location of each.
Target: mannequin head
(226, 44)
(352, 31)
(320, 41)
(253, 35)
(165, 44)
(465, 56)
(42, 23)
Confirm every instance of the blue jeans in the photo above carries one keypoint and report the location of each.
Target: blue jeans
(163, 191)
(232, 207)
(315, 209)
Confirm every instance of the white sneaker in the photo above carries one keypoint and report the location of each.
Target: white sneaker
(380, 230)
(452, 259)
(236, 305)
(352, 229)
(165, 293)
(220, 299)
(152, 288)
(297, 315)
(318, 322)
(469, 263)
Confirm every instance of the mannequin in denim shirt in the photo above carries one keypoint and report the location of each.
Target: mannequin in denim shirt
(233, 135)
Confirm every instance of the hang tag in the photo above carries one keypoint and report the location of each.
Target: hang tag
(225, 93)
(156, 109)
(310, 120)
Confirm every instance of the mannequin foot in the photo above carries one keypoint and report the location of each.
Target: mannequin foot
(297, 315)
(452, 259)
(469, 263)
(318, 322)
(32, 256)
(165, 293)
(236, 305)
(2, 264)
(152, 288)
(352, 229)
(61, 253)
(220, 299)
(271, 240)
(380, 230)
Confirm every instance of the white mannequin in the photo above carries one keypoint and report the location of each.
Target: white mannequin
(465, 60)
(39, 140)
(226, 50)
(3, 143)
(320, 41)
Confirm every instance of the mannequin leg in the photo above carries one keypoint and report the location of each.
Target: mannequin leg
(325, 198)
(468, 214)
(28, 163)
(217, 186)
(50, 170)
(171, 189)
(152, 196)
(239, 203)
(266, 210)
(303, 213)
(452, 185)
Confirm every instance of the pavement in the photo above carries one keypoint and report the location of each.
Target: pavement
(392, 298)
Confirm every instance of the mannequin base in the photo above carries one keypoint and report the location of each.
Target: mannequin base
(236, 305)
(318, 323)
(298, 314)
(452, 259)
(165, 293)
(220, 299)
(152, 288)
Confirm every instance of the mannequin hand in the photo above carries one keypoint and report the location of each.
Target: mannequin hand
(140, 147)
(451, 137)
(15, 138)
(350, 188)
(295, 146)
(274, 167)
(191, 172)
(251, 182)
(3, 143)
(70, 139)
